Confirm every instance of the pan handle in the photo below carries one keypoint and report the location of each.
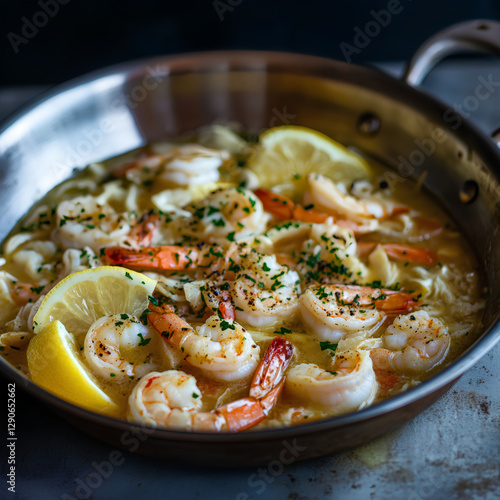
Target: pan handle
(482, 35)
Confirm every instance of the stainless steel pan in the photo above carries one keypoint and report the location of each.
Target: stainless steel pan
(117, 109)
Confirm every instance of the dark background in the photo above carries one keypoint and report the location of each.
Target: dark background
(87, 34)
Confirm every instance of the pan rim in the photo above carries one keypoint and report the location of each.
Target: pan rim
(240, 60)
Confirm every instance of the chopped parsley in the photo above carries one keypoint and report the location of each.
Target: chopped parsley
(328, 346)
(225, 325)
(144, 316)
(282, 331)
(143, 341)
(153, 300)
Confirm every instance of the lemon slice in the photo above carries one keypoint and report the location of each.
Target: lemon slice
(84, 297)
(55, 365)
(287, 154)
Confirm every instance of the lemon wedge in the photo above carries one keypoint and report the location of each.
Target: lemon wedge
(55, 365)
(287, 154)
(82, 298)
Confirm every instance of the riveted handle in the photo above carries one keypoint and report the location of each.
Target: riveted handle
(482, 35)
(470, 36)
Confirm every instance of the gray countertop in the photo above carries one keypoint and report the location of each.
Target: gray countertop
(450, 451)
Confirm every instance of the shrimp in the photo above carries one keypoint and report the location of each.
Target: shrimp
(400, 252)
(217, 299)
(82, 222)
(284, 208)
(264, 292)
(222, 348)
(229, 214)
(185, 165)
(349, 384)
(333, 312)
(325, 195)
(165, 257)
(414, 342)
(329, 254)
(144, 230)
(109, 339)
(25, 293)
(173, 400)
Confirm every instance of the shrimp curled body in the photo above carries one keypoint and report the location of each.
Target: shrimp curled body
(223, 349)
(414, 342)
(333, 312)
(173, 400)
(107, 341)
(348, 385)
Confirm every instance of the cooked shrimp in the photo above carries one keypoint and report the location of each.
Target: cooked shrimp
(329, 255)
(414, 342)
(82, 222)
(262, 291)
(165, 258)
(144, 230)
(173, 400)
(109, 340)
(223, 349)
(326, 195)
(229, 214)
(395, 251)
(331, 318)
(25, 293)
(265, 293)
(216, 297)
(185, 165)
(349, 384)
(284, 208)
(333, 312)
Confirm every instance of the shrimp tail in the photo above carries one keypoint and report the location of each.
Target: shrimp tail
(284, 208)
(400, 252)
(267, 384)
(225, 310)
(168, 258)
(272, 367)
(396, 302)
(411, 254)
(165, 321)
(22, 293)
(145, 229)
(242, 414)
